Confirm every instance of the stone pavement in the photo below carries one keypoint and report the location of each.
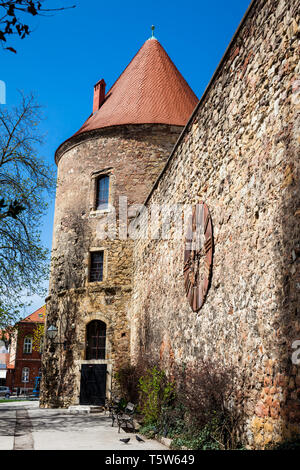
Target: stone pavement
(25, 426)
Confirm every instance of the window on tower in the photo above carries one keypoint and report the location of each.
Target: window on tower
(102, 192)
(96, 266)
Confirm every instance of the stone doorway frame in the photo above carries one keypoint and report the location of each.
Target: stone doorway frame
(108, 360)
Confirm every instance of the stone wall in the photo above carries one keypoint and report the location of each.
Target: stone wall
(239, 154)
(133, 156)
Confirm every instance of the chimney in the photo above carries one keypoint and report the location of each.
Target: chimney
(99, 95)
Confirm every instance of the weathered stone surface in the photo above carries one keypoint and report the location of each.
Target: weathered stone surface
(134, 157)
(239, 154)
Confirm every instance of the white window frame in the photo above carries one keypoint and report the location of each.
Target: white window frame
(27, 346)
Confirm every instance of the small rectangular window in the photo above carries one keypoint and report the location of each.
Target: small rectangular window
(96, 269)
(102, 192)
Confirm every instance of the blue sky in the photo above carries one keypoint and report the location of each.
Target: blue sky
(69, 52)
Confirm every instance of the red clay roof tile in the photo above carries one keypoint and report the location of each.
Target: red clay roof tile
(150, 90)
(36, 317)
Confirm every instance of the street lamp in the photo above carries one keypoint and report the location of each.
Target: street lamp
(52, 335)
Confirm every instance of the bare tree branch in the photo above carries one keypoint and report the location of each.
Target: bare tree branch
(15, 14)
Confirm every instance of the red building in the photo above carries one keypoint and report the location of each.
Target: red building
(4, 356)
(25, 352)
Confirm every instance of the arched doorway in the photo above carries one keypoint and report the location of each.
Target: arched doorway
(93, 375)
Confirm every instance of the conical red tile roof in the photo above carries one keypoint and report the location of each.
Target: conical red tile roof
(150, 90)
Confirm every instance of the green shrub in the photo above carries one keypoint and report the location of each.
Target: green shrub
(197, 416)
(148, 430)
(203, 439)
(171, 421)
(155, 392)
(207, 390)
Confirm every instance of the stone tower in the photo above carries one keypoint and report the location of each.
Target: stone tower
(118, 153)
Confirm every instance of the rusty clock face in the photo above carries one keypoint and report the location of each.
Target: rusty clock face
(198, 256)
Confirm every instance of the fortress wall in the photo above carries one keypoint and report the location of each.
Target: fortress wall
(240, 154)
(133, 156)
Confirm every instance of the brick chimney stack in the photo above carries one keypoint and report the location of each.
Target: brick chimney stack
(99, 95)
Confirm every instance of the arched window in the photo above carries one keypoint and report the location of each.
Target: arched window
(25, 374)
(95, 340)
(27, 347)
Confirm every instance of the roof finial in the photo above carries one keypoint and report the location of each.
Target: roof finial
(153, 37)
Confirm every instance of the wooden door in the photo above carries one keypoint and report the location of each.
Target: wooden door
(93, 384)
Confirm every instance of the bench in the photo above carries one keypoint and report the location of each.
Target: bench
(113, 406)
(126, 417)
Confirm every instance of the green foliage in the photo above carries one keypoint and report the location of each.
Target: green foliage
(205, 389)
(25, 184)
(155, 392)
(197, 415)
(149, 430)
(206, 437)
(122, 403)
(10, 400)
(171, 422)
(203, 439)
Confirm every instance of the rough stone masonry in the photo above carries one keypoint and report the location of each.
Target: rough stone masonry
(116, 155)
(240, 154)
(133, 156)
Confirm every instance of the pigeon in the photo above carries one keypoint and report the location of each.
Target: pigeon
(139, 439)
(125, 440)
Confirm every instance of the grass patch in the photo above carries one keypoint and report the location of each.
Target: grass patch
(11, 400)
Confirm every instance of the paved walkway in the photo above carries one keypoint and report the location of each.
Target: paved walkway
(24, 426)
